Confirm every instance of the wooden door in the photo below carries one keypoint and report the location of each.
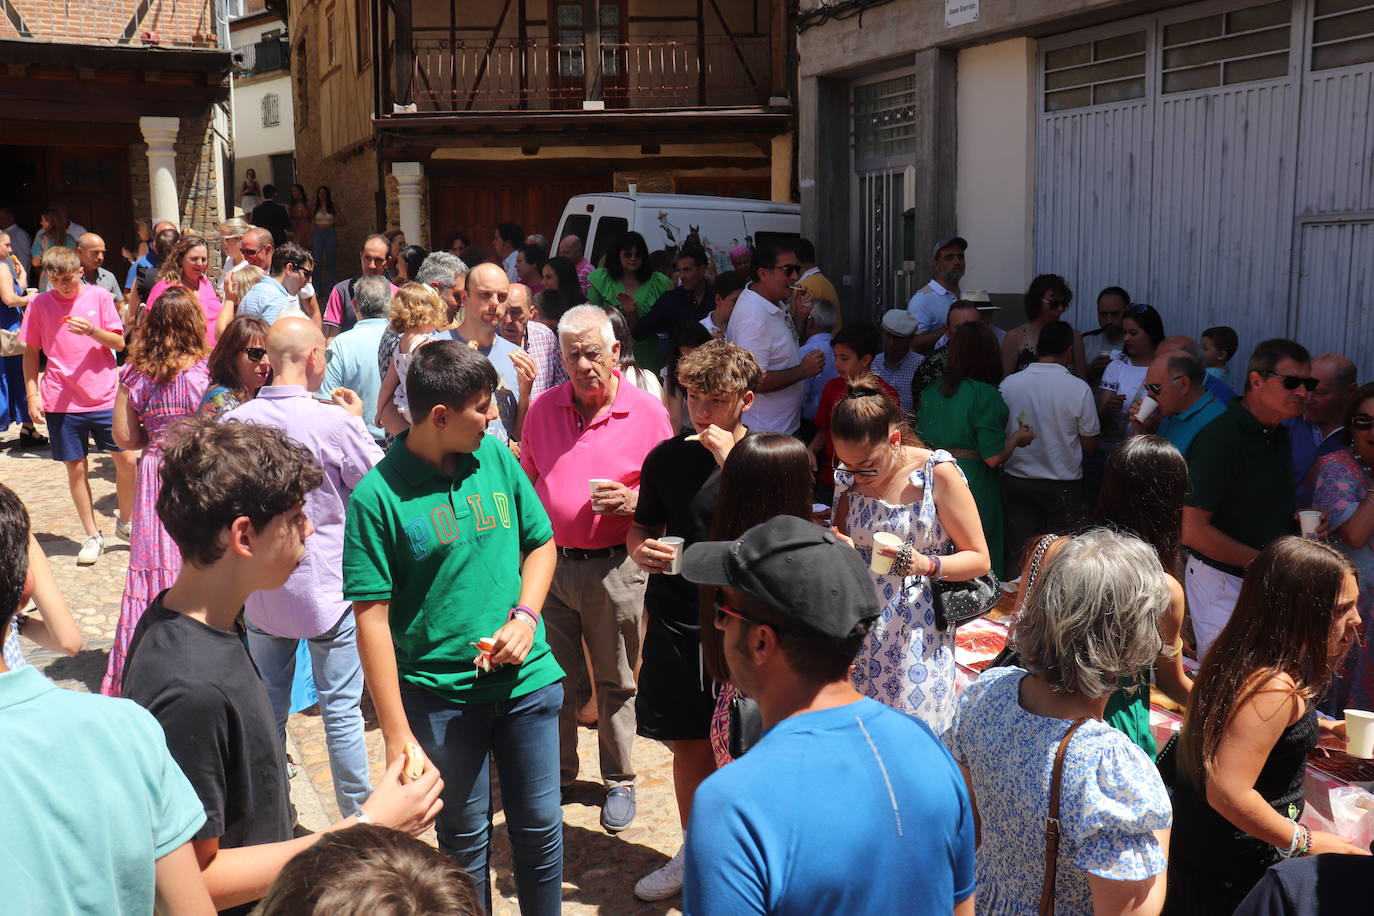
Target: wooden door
(476, 205)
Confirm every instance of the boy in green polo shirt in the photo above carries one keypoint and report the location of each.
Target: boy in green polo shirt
(432, 563)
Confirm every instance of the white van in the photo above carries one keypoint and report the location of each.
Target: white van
(667, 221)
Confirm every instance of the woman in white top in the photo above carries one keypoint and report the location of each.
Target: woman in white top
(1123, 381)
(642, 379)
(250, 195)
(325, 242)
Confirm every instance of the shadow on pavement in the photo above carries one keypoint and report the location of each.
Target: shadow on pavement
(602, 870)
(83, 671)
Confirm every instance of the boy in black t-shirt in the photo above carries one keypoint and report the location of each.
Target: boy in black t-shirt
(232, 499)
(677, 496)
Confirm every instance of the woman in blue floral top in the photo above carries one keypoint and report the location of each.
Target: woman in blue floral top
(1090, 619)
(238, 366)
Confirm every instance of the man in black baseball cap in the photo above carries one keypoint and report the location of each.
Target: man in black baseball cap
(828, 811)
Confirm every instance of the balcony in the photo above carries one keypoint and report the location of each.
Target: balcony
(266, 56)
(452, 76)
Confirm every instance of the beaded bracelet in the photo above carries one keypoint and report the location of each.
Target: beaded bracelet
(935, 567)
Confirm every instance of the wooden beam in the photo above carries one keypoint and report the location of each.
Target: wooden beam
(779, 40)
(735, 43)
(482, 68)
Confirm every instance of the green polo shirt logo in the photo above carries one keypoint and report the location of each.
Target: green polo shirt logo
(445, 525)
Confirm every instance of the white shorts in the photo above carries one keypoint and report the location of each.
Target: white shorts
(1212, 597)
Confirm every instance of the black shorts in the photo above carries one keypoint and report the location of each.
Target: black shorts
(676, 696)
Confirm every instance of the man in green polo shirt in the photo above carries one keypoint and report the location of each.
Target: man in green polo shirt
(432, 563)
(1241, 474)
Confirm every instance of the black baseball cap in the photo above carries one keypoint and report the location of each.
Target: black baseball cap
(797, 569)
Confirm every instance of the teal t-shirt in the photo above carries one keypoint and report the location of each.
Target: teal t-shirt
(445, 551)
(93, 800)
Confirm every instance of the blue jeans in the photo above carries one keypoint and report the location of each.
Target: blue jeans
(324, 244)
(339, 681)
(522, 734)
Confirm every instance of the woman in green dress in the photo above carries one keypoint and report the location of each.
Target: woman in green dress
(965, 415)
(629, 284)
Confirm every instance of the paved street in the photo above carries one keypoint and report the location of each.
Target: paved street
(600, 870)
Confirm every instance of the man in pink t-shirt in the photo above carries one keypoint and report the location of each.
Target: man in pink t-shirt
(584, 444)
(77, 325)
(339, 314)
(571, 248)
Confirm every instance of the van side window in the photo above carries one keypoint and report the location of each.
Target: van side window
(578, 224)
(609, 231)
(761, 237)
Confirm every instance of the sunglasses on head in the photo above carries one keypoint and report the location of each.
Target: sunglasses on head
(256, 354)
(1291, 382)
(1362, 421)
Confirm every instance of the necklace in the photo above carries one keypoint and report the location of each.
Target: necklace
(1364, 466)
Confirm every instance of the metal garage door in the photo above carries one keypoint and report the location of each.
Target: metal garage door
(1217, 161)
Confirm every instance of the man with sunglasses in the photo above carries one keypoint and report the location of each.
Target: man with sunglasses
(1177, 382)
(842, 794)
(1321, 428)
(1241, 472)
(760, 324)
(276, 294)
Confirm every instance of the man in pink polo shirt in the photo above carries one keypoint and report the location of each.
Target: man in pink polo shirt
(584, 444)
(77, 326)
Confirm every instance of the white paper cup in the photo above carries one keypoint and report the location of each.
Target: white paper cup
(880, 564)
(592, 485)
(1359, 732)
(31, 291)
(1147, 406)
(1308, 522)
(675, 565)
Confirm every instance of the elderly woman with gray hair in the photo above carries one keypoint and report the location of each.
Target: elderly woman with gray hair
(1090, 618)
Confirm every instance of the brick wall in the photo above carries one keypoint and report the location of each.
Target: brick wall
(176, 22)
(393, 211)
(198, 176)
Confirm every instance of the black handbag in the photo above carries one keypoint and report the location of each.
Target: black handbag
(960, 602)
(746, 724)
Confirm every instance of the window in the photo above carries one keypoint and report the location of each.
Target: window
(271, 110)
(1342, 33)
(1227, 48)
(330, 48)
(363, 29)
(884, 119)
(578, 224)
(1095, 72)
(571, 64)
(609, 231)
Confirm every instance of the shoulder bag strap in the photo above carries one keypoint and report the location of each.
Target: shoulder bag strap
(1052, 822)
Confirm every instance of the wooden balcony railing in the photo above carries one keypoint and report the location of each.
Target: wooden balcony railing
(457, 75)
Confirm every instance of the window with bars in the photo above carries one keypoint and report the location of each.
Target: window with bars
(884, 120)
(271, 110)
(1227, 48)
(1342, 33)
(1095, 72)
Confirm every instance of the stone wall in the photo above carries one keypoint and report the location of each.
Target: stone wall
(198, 177)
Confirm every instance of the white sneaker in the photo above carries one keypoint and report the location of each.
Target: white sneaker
(91, 549)
(124, 531)
(665, 882)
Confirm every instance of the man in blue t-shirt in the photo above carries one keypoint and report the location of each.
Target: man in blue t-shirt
(842, 796)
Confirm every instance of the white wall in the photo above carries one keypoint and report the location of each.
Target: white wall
(994, 199)
(250, 137)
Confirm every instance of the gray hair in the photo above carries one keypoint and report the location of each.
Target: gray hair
(441, 267)
(234, 228)
(584, 318)
(1181, 363)
(372, 297)
(824, 315)
(1093, 618)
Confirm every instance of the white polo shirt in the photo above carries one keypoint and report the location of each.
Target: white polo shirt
(1060, 407)
(761, 327)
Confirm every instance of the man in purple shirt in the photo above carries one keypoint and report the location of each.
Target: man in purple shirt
(311, 605)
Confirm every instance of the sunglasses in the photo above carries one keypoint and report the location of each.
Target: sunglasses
(303, 271)
(1291, 382)
(249, 252)
(866, 472)
(1362, 421)
(1157, 387)
(724, 610)
(790, 270)
(256, 354)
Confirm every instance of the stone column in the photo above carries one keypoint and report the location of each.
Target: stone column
(408, 175)
(160, 134)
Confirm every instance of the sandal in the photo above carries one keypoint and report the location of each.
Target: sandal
(29, 435)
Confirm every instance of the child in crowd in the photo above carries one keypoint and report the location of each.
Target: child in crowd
(1219, 344)
(449, 631)
(368, 870)
(854, 349)
(417, 313)
(77, 326)
(232, 498)
(99, 819)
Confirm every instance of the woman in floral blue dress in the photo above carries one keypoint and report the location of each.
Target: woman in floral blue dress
(1089, 620)
(887, 481)
(1343, 483)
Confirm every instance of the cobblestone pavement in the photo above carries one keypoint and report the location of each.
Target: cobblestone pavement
(599, 870)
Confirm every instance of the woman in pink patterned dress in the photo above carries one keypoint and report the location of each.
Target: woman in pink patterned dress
(162, 382)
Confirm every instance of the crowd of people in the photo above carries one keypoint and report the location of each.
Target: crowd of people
(512, 492)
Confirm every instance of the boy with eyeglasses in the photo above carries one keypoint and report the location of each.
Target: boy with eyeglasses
(1241, 470)
(277, 294)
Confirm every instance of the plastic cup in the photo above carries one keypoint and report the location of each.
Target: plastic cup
(594, 483)
(880, 564)
(1308, 522)
(1147, 406)
(486, 644)
(31, 291)
(1359, 732)
(674, 565)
